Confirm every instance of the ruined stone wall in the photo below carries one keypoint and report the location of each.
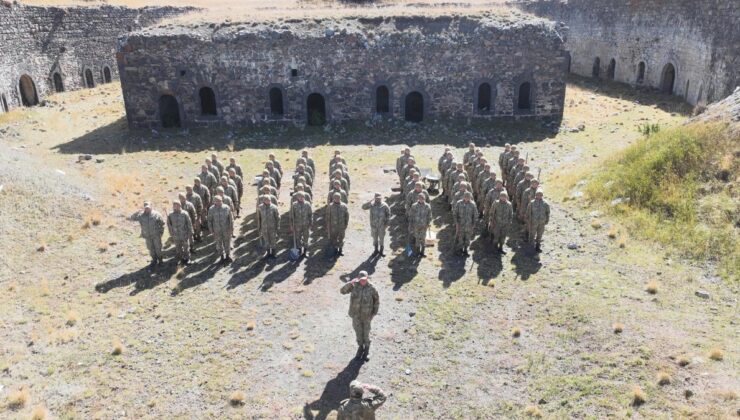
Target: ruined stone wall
(700, 39)
(345, 61)
(40, 41)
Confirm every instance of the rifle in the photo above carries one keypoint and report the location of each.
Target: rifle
(539, 172)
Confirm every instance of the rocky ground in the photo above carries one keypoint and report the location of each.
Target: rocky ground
(75, 285)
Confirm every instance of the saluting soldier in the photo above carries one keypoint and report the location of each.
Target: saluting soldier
(152, 228)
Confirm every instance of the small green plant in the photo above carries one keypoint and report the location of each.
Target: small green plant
(648, 129)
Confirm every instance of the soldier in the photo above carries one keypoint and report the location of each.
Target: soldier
(521, 173)
(521, 186)
(486, 186)
(337, 175)
(300, 172)
(466, 215)
(411, 184)
(537, 216)
(336, 189)
(225, 199)
(380, 215)
(230, 192)
(300, 189)
(483, 175)
(411, 196)
(510, 164)
(502, 216)
(238, 182)
(492, 197)
(181, 231)
(213, 169)
(469, 154)
(205, 196)
(301, 218)
(441, 161)
(275, 163)
(266, 192)
(401, 163)
(274, 173)
(305, 188)
(451, 178)
(197, 203)
(309, 160)
(364, 302)
(267, 177)
(269, 225)
(358, 408)
(152, 229)
(270, 188)
(207, 178)
(410, 164)
(462, 188)
(189, 208)
(419, 219)
(235, 167)
(337, 219)
(221, 224)
(527, 196)
(447, 165)
(215, 162)
(503, 157)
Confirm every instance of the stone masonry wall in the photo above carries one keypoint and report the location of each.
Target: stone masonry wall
(40, 41)
(444, 59)
(700, 39)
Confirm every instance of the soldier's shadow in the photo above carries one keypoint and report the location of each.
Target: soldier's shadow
(335, 391)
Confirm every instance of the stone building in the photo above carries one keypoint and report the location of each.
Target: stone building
(687, 48)
(51, 49)
(318, 70)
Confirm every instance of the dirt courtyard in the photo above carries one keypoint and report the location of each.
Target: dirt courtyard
(75, 285)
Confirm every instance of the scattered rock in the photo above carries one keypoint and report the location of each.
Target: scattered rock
(99, 160)
(408, 371)
(688, 393)
(573, 245)
(702, 294)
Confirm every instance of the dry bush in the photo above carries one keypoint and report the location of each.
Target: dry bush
(117, 348)
(618, 327)
(637, 396)
(251, 325)
(18, 399)
(613, 233)
(516, 332)
(65, 336)
(683, 361)
(622, 242)
(533, 411)
(716, 354)
(652, 287)
(44, 288)
(307, 373)
(237, 398)
(727, 394)
(664, 378)
(39, 413)
(94, 218)
(102, 247)
(72, 318)
(596, 224)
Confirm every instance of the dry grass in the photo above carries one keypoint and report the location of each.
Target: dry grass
(717, 355)
(237, 398)
(613, 233)
(102, 247)
(516, 332)
(18, 399)
(664, 378)
(637, 395)
(727, 394)
(251, 325)
(65, 336)
(307, 373)
(117, 348)
(94, 218)
(533, 411)
(683, 361)
(72, 318)
(596, 224)
(652, 287)
(39, 413)
(618, 327)
(622, 242)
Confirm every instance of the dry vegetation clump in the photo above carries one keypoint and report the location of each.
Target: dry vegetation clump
(716, 354)
(618, 327)
(39, 413)
(251, 325)
(516, 332)
(117, 348)
(612, 233)
(533, 411)
(102, 247)
(652, 287)
(638, 396)
(94, 218)
(664, 378)
(72, 318)
(596, 224)
(727, 394)
(66, 336)
(237, 398)
(683, 361)
(18, 399)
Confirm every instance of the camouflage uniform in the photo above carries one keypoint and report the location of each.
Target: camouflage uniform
(537, 216)
(189, 208)
(413, 196)
(502, 215)
(301, 216)
(200, 215)
(181, 231)
(237, 180)
(364, 302)
(236, 168)
(306, 176)
(341, 193)
(527, 196)
(337, 219)
(401, 163)
(419, 218)
(152, 229)
(269, 224)
(380, 214)
(221, 224)
(520, 188)
(230, 191)
(208, 180)
(466, 215)
(214, 171)
(358, 408)
(218, 164)
(343, 182)
(491, 198)
(503, 158)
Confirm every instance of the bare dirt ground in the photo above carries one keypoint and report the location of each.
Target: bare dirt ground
(443, 346)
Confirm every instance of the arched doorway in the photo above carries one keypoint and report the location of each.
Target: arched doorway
(169, 111)
(382, 100)
(596, 69)
(640, 72)
(414, 107)
(316, 109)
(276, 102)
(207, 101)
(89, 79)
(106, 75)
(27, 89)
(524, 97)
(58, 84)
(483, 104)
(611, 69)
(668, 79)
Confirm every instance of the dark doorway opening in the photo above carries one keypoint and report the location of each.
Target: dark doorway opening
(27, 89)
(4, 103)
(414, 107)
(58, 84)
(382, 100)
(106, 75)
(207, 101)
(596, 68)
(524, 102)
(316, 109)
(169, 111)
(641, 72)
(668, 79)
(484, 98)
(611, 69)
(276, 102)
(89, 79)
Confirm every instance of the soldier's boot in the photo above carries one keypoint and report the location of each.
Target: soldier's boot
(186, 262)
(360, 352)
(228, 259)
(537, 247)
(381, 252)
(153, 263)
(421, 253)
(366, 353)
(375, 252)
(222, 259)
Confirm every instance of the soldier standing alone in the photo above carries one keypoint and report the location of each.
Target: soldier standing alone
(537, 216)
(363, 306)
(380, 214)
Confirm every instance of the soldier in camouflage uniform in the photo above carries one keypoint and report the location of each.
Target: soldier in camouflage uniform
(337, 189)
(401, 163)
(233, 195)
(503, 157)
(510, 164)
(274, 173)
(189, 208)
(237, 180)
(452, 178)
(309, 160)
(337, 219)
(358, 408)
(338, 176)
(225, 199)
(215, 162)
(221, 224)
(300, 182)
(235, 167)
(537, 216)
(269, 225)
(301, 218)
(501, 218)
(492, 197)
(462, 188)
(466, 216)
(363, 306)
(200, 215)
(207, 179)
(510, 183)
(275, 163)
(300, 189)
(440, 162)
(267, 177)
(300, 171)
(213, 169)
(411, 184)
(410, 164)
(411, 196)
(481, 178)
(380, 215)
(152, 228)
(419, 219)
(206, 197)
(521, 186)
(308, 169)
(527, 196)
(469, 155)
(181, 231)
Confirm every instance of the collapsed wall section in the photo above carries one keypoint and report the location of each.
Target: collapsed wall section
(314, 71)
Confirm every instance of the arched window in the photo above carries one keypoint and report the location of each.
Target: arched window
(611, 69)
(106, 74)
(207, 101)
(668, 79)
(483, 105)
(27, 89)
(316, 109)
(382, 100)
(58, 84)
(414, 107)
(89, 79)
(524, 97)
(641, 72)
(276, 102)
(169, 111)
(596, 68)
